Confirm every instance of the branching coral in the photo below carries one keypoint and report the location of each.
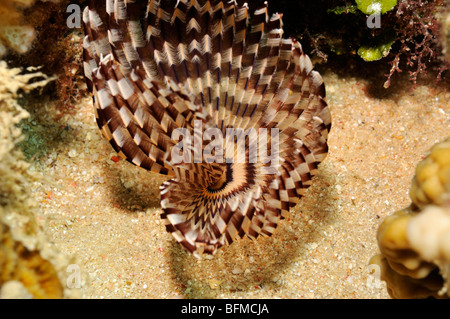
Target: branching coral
(415, 242)
(13, 171)
(28, 261)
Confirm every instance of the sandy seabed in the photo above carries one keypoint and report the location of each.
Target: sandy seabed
(105, 211)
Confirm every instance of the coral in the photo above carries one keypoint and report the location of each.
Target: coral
(27, 259)
(431, 184)
(14, 289)
(13, 170)
(415, 242)
(405, 287)
(17, 263)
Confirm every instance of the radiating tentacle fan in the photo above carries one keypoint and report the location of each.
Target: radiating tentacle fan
(215, 97)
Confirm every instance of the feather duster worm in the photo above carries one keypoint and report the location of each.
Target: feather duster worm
(215, 97)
